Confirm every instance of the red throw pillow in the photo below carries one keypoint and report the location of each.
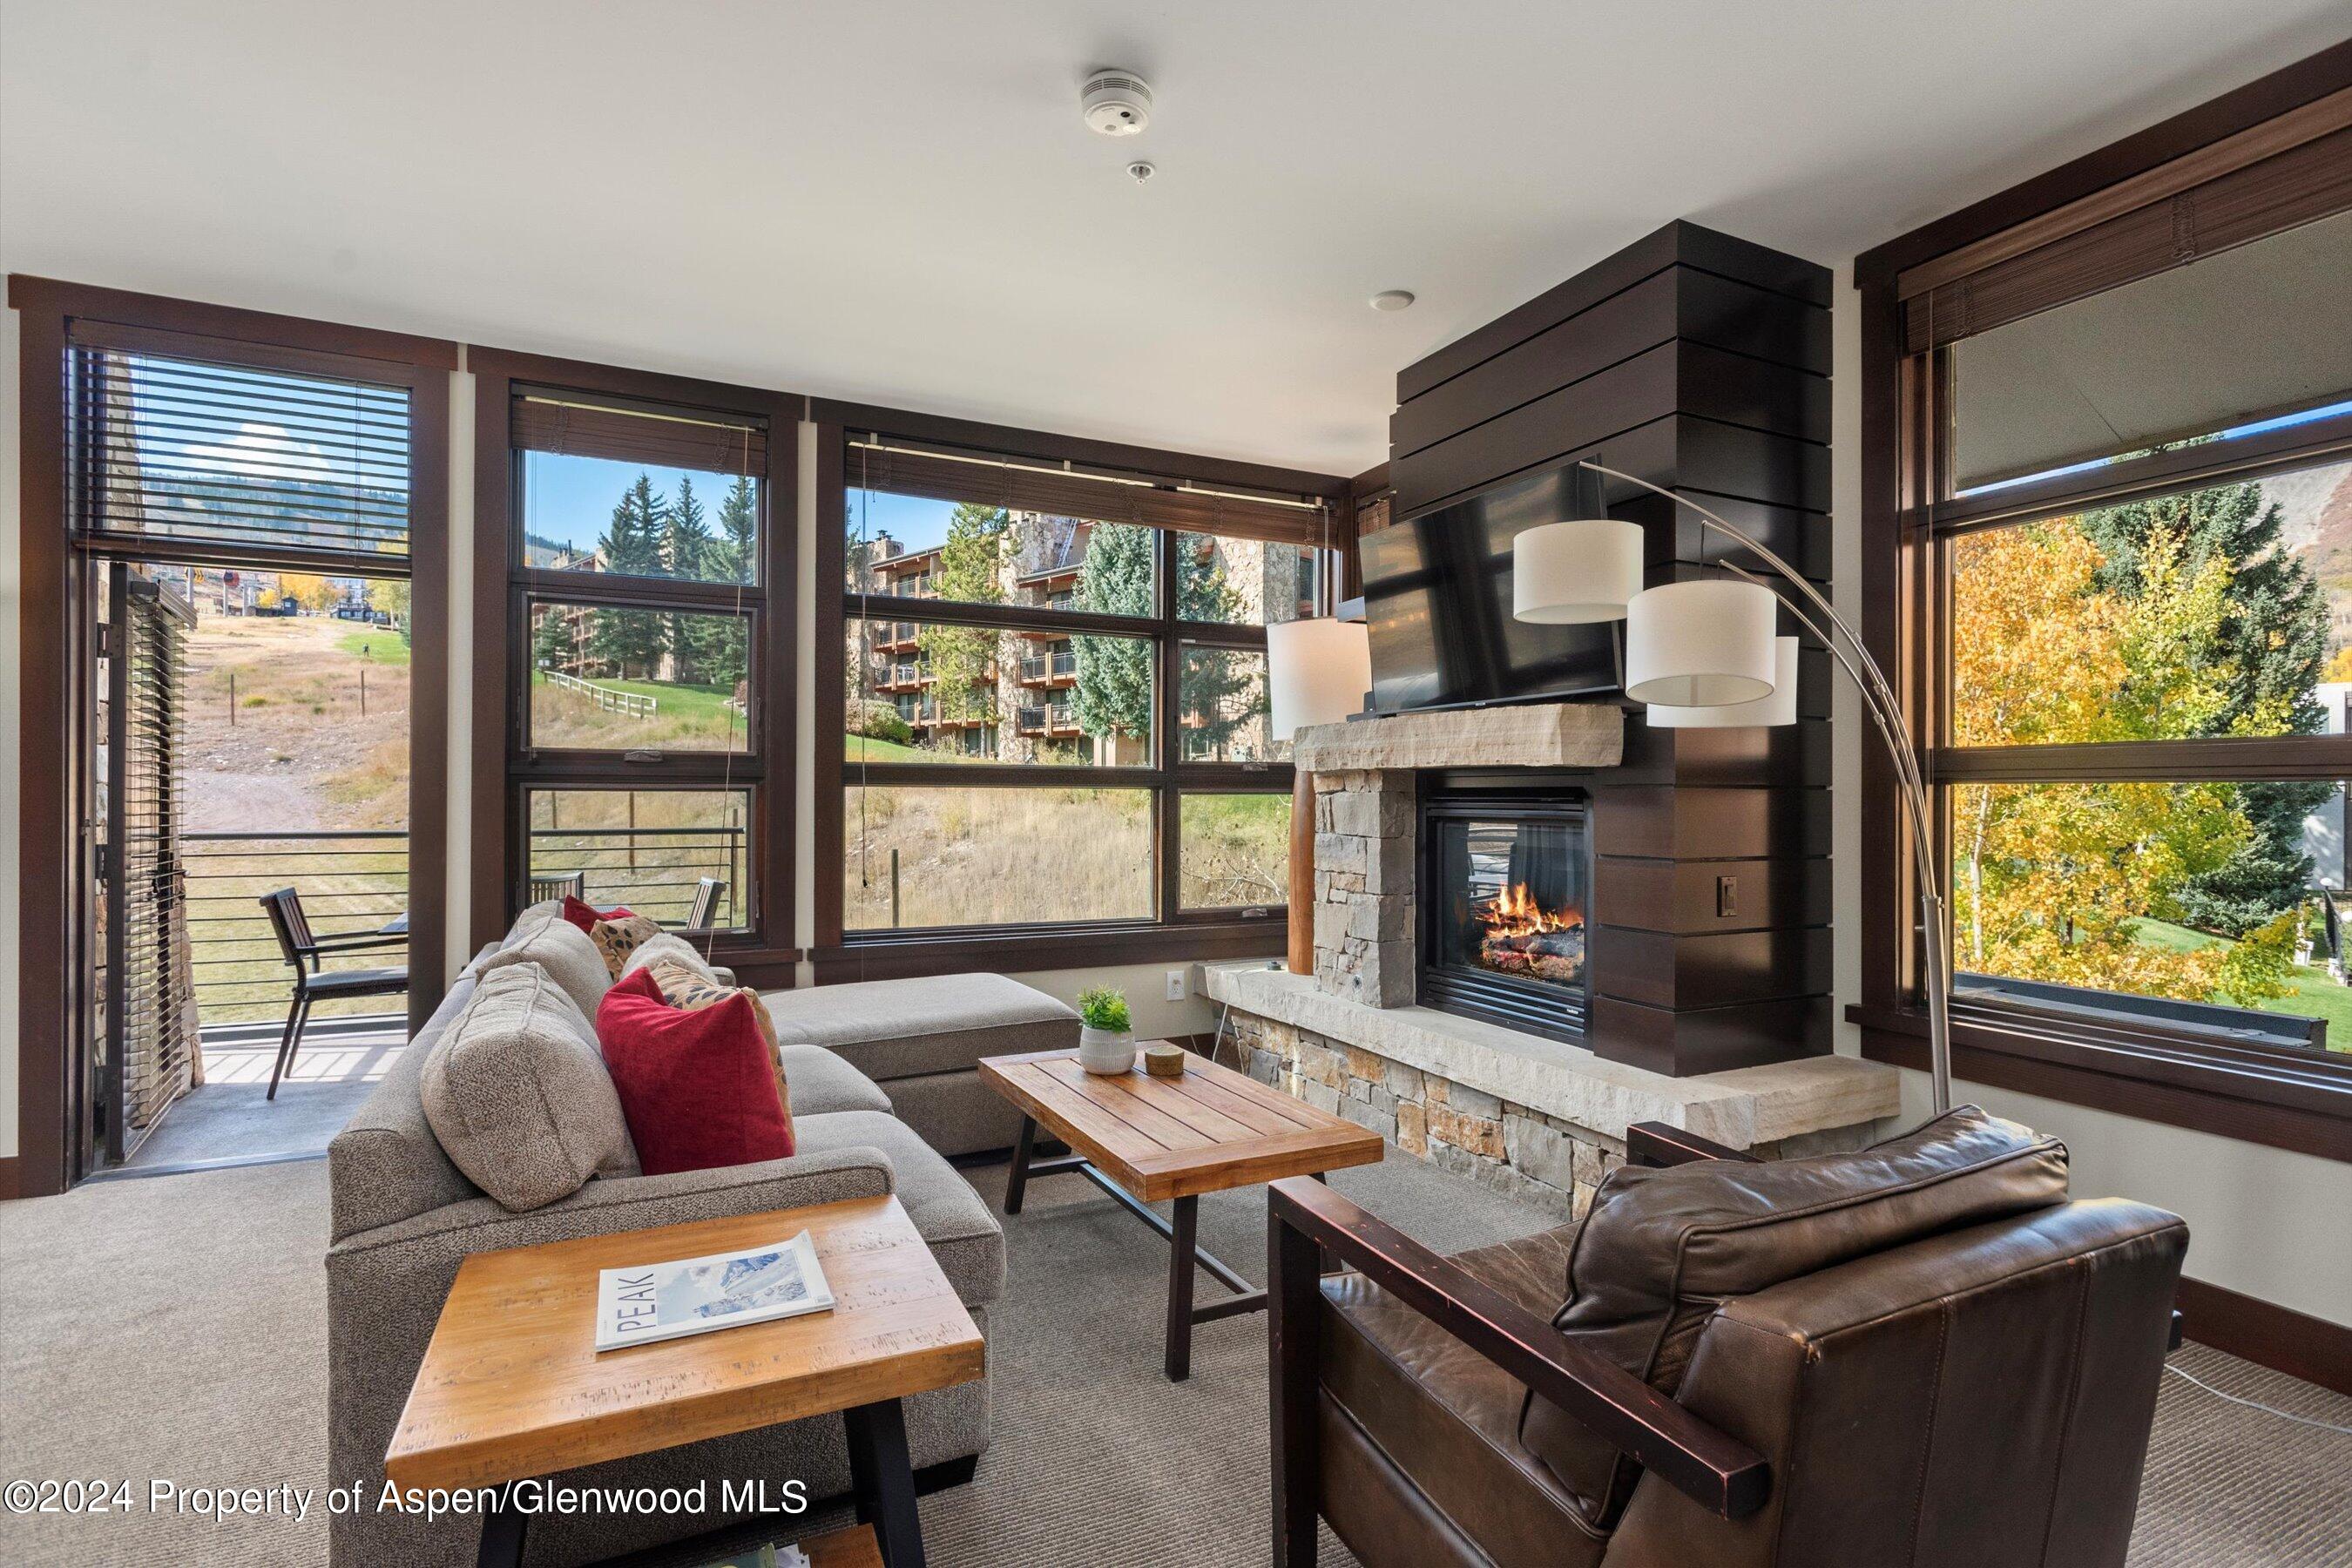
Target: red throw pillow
(698, 1088)
(586, 915)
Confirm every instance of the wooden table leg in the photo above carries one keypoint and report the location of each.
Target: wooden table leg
(1018, 1182)
(882, 1480)
(1182, 1257)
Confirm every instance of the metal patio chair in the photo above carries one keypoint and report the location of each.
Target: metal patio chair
(306, 954)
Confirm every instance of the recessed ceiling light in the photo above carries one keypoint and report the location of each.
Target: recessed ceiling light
(1391, 298)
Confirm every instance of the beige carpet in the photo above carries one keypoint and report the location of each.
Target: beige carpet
(172, 1327)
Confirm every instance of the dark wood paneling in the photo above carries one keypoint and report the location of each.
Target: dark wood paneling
(1669, 824)
(1683, 242)
(1682, 973)
(9, 1177)
(1620, 327)
(1702, 384)
(1672, 533)
(2313, 1349)
(1686, 897)
(1699, 309)
(1795, 753)
(1712, 1039)
(428, 705)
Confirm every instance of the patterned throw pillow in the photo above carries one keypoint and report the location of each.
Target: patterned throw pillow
(686, 989)
(617, 939)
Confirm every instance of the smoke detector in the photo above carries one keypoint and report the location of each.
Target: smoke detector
(1116, 103)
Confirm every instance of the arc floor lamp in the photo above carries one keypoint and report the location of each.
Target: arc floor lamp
(1704, 653)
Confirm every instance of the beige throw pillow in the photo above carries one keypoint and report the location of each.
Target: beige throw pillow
(516, 1091)
(561, 949)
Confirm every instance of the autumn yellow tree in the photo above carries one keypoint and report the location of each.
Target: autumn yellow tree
(2052, 882)
(311, 593)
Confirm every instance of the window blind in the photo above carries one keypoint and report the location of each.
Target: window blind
(2307, 182)
(234, 455)
(576, 426)
(879, 463)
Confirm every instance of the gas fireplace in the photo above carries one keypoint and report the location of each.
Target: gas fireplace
(1504, 881)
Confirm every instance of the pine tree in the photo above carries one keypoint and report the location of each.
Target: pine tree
(691, 553)
(2272, 649)
(550, 639)
(629, 642)
(739, 534)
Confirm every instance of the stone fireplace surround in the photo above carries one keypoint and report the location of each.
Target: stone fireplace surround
(1539, 1119)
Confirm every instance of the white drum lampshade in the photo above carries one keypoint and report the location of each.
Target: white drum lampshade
(1704, 644)
(1316, 672)
(1575, 573)
(1781, 708)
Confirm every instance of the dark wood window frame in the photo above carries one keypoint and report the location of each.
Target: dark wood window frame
(1176, 933)
(54, 938)
(762, 954)
(2283, 1098)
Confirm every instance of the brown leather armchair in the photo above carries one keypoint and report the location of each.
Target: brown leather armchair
(1976, 1391)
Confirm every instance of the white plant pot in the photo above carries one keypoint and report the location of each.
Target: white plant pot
(1101, 1051)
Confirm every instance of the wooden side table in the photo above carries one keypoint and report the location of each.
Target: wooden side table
(1142, 1139)
(512, 1387)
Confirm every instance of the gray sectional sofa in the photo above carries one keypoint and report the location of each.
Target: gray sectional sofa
(404, 1216)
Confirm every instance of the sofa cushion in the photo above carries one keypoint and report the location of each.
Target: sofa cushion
(699, 1087)
(941, 1022)
(955, 1222)
(516, 1094)
(546, 938)
(1663, 1249)
(1447, 1418)
(822, 1083)
(386, 1165)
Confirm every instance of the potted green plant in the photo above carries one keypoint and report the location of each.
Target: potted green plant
(1106, 1033)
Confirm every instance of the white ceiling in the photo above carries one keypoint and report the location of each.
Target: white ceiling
(896, 202)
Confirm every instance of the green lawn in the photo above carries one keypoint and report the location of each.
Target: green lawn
(865, 749)
(377, 645)
(2313, 994)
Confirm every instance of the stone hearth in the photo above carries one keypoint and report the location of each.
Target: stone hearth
(1536, 1120)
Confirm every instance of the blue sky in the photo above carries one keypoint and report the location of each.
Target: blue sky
(915, 524)
(572, 499)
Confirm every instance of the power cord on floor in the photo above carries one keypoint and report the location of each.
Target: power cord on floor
(2256, 1405)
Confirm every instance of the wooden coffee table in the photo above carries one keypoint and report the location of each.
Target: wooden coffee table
(512, 1387)
(1143, 1139)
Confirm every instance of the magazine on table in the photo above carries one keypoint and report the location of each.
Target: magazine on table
(694, 1295)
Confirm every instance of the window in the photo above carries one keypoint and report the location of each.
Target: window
(640, 753)
(1054, 700)
(2121, 436)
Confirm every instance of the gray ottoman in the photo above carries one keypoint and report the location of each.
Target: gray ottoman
(921, 1041)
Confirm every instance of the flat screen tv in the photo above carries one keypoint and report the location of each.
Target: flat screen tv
(1437, 597)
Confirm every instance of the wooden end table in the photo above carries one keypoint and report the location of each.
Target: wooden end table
(1142, 1139)
(512, 1387)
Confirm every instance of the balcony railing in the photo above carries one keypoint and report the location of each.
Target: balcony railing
(1061, 664)
(358, 881)
(349, 882)
(1046, 718)
(653, 870)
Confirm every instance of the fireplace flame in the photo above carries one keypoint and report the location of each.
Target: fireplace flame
(1520, 936)
(1515, 913)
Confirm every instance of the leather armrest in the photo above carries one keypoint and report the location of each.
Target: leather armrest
(1717, 1471)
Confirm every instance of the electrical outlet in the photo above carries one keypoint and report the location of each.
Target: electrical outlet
(1175, 986)
(1727, 898)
